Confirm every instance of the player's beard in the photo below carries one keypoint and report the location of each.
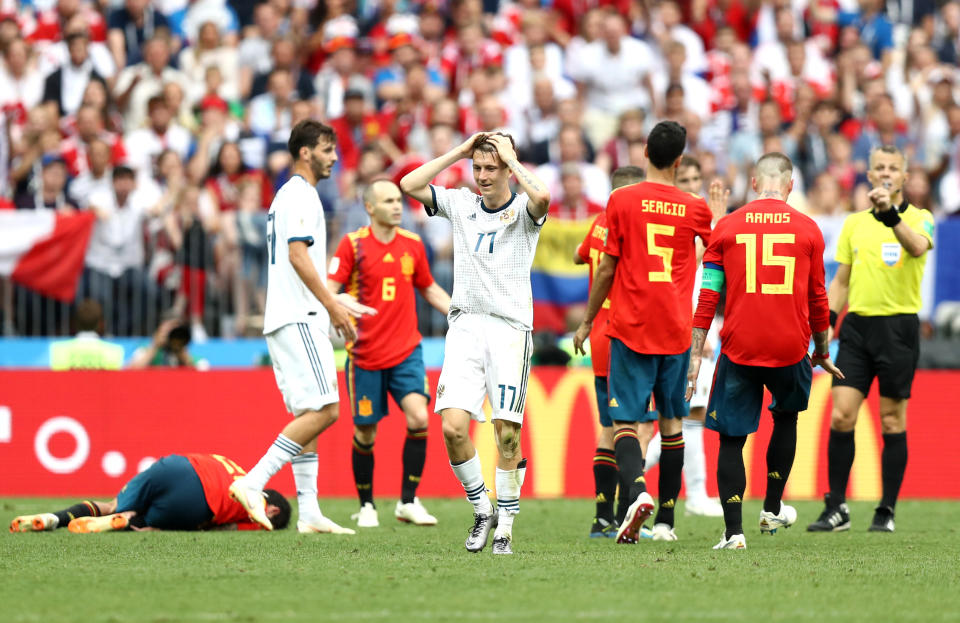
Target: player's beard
(320, 171)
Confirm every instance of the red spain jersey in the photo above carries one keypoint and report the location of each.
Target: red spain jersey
(216, 474)
(591, 251)
(652, 228)
(383, 276)
(772, 260)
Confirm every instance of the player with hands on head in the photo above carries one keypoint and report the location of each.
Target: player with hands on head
(299, 311)
(488, 345)
(383, 266)
(770, 257)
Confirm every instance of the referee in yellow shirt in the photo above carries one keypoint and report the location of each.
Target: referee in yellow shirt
(882, 253)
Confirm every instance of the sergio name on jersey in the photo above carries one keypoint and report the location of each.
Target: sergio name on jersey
(296, 214)
(493, 252)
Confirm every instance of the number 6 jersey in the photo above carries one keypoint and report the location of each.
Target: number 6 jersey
(651, 230)
(492, 254)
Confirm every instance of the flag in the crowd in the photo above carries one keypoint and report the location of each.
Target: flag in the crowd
(559, 284)
(44, 250)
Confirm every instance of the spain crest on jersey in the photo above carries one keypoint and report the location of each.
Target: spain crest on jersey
(406, 265)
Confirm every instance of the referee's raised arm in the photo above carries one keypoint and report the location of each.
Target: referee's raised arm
(416, 183)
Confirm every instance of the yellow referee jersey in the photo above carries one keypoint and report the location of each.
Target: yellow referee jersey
(884, 278)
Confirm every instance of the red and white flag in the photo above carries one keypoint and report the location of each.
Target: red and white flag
(44, 250)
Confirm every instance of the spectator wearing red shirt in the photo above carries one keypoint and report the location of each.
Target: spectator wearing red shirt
(382, 266)
(89, 127)
(470, 50)
(356, 128)
(771, 258)
(178, 492)
(650, 260)
(605, 473)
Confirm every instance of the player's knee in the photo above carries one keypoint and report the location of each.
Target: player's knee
(842, 422)
(417, 419)
(453, 433)
(892, 423)
(365, 434)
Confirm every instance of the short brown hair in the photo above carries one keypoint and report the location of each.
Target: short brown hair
(486, 147)
(624, 176)
(88, 315)
(308, 133)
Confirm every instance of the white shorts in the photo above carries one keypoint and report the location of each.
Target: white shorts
(303, 363)
(704, 381)
(485, 356)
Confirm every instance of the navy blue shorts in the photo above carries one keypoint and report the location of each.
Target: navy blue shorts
(600, 383)
(368, 388)
(168, 495)
(634, 377)
(737, 397)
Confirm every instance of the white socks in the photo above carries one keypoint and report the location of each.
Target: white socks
(470, 475)
(508, 498)
(694, 463)
(305, 467)
(278, 454)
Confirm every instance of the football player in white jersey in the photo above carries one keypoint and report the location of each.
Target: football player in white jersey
(299, 312)
(488, 345)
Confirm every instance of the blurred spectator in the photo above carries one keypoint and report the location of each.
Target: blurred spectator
(947, 33)
(66, 85)
(695, 90)
(571, 150)
(252, 286)
(841, 165)
(87, 350)
(138, 83)
(356, 128)
(208, 51)
(75, 149)
(339, 75)
(573, 204)
(948, 170)
(616, 153)
(50, 191)
(623, 84)
(269, 114)
(56, 52)
(812, 151)
(875, 28)
(537, 124)
(882, 128)
(254, 49)
(130, 27)
(169, 348)
(469, 51)
(188, 231)
(283, 55)
(114, 272)
(21, 83)
(144, 145)
(668, 26)
(98, 176)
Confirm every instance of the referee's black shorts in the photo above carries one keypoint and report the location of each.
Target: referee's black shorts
(885, 347)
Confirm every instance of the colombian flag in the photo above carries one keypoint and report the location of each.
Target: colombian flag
(558, 284)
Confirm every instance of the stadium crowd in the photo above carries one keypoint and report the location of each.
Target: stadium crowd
(169, 118)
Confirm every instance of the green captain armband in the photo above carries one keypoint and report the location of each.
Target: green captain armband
(712, 278)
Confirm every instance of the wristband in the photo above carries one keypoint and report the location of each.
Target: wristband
(833, 319)
(890, 218)
(825, 355)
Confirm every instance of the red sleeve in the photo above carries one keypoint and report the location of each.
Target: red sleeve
(703, 223)
(709, 299)
(583, 250)
(816, 287)
(421, 272)
(343, 266)
(614, 231)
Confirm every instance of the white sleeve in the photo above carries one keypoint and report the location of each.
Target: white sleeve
(444, 200)
(300, 222)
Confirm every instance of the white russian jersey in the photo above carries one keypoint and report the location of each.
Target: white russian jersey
(492, 254)
(295, 214)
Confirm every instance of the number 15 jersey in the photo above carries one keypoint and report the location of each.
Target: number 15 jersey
(651, 229)
(492, 254)
(772, 262)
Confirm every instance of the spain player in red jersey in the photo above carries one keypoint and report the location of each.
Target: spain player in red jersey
(178, 492)
(650, 260)
(771, 259)
(381, 266)
(605, 471)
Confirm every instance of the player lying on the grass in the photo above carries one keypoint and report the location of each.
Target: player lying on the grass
(488, 346)
(384, 266)
(178, 492)
(771, 259)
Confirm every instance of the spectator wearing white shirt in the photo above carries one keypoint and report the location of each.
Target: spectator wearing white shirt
(66, 85)
(209, 50)
(696, 91)
(571, 147)
(519, 60)
(144, 145)
(21, 83)
(97, 178)
(114, 272)
(138, 83)
(623, 83)
(254, 49)
(54, 55)
(669, 27)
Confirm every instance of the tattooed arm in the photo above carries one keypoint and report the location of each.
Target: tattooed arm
(699, 337)
(533, 186)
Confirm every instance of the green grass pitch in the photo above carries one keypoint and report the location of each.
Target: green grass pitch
(403, 573)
